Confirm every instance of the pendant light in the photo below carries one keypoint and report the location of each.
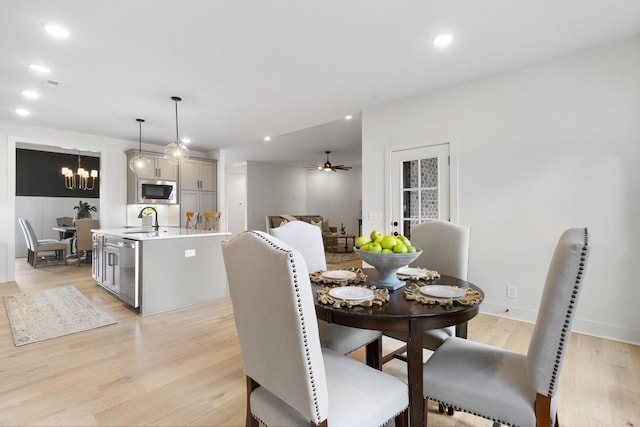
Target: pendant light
(139, 164)
(176, 151)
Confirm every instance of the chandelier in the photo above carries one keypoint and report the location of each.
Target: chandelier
(176, 151)
(79, 179)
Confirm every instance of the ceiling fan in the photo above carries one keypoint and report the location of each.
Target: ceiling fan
(328, 167)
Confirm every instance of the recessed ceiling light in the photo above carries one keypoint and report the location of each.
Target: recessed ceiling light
(22, 112)
(443, 40)
(348, 117)
(267, 138)
(30, 94)
(39, 68)
(56, 31)
(185, 140)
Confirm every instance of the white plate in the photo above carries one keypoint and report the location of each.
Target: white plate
(442, 291)
(338, 275)
(412, 272)
(352, 293)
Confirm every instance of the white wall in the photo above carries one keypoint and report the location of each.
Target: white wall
(274, 190)
(112, 179)
(540, 149)
(336, 196)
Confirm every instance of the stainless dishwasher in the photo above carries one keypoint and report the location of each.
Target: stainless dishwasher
(120, 269)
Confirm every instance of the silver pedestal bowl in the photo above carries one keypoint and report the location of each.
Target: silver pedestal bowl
(387, 266)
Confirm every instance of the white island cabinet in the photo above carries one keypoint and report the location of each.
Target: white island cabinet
(156, 271)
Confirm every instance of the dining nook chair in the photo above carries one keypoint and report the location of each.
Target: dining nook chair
(211, 221)
(510, 388)
(291, 379)
(445, 249)
(37, 246)
(307, 239)
(192, 220)
(84, 237)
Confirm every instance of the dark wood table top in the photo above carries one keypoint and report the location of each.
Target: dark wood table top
(393, 315)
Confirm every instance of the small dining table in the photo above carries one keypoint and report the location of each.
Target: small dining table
(67, 229)
(410, 318)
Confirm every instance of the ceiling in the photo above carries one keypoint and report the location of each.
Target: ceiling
(250, 68)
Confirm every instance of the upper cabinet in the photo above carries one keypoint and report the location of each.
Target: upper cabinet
(160, 169)
(198, 174)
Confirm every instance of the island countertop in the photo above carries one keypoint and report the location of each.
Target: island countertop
(147, 233)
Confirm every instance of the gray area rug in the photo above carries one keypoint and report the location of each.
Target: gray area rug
(53, 313)
(338, 257)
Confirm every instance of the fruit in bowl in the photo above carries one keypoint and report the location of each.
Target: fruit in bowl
(387, 259)
(388, 243)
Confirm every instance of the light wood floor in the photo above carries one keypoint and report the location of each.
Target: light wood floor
(183, 367)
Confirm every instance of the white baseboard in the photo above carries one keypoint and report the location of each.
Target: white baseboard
(582, 326)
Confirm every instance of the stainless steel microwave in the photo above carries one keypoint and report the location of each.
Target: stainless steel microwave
(152, 191)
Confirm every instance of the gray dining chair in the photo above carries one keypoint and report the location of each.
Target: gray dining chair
(84, 237)
(291, 379)
(510, 388)
(37, 246)
(307, 239)
(445, 249)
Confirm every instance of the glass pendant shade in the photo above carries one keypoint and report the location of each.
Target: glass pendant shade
(140, 164)
(176, 152)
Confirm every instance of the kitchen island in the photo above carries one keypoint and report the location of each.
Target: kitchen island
(156, 271)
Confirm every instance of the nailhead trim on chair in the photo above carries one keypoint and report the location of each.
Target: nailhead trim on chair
(457, 408)
(302, 321)
(565, 327)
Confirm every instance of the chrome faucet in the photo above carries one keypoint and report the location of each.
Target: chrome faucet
(155, 226)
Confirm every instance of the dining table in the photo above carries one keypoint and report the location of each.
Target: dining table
(67, 229)
(409, 317)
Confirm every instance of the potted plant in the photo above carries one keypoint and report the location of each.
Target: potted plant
(84, 210)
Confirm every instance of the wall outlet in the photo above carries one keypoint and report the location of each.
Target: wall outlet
(512, 291)
(189, 253)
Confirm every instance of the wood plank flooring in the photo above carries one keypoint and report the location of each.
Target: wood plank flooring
(183, 368)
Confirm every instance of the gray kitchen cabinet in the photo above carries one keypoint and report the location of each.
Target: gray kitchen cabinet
(198, 174)
(161, 169)
(196, 201)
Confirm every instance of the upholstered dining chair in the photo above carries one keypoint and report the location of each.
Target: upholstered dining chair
(192, 220)
(65, 221)
(291, 380)
(511, 388)
(211, 221)
(36, 246)
(84, 241)
(445, 249)
(307, 239)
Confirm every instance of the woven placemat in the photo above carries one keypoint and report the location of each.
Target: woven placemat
(380, 296)
(412, 293)
(317, 279)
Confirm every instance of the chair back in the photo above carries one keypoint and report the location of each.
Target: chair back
(275, 317)
(557, 308)
(445, 247)
(307, 239)
(27, 236)
(83, 233)
(192, 220)
(33, 239)
(211, 221)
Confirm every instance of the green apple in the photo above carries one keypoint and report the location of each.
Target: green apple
(361, 241)
(411, 249)
(388, 242)
(375, 247)
(365, 247)
(375, 234)
(387, 251)
(400, 248)
(404, 240)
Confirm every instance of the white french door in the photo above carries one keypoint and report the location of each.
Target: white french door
(420, 186)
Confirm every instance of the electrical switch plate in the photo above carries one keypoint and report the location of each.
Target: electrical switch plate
(512, 291)
(189, 253)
